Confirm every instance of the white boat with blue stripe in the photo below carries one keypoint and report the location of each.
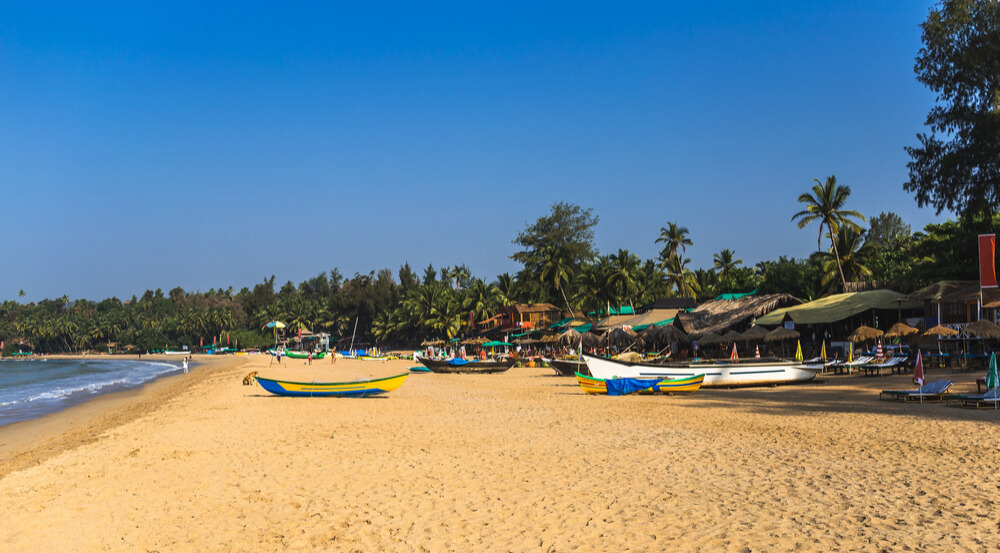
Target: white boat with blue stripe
(752, 372)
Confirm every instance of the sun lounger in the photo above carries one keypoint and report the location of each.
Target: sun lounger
(858, 361)
(932, 391)
(891, 364)
(989, 400)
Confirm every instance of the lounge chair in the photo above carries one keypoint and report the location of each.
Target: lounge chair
(890, 364)
(989, 400)
(858, 361)
(932, 391)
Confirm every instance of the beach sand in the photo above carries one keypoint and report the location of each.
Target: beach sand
(520, 461)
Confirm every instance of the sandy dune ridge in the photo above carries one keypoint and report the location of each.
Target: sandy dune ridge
(520, 461)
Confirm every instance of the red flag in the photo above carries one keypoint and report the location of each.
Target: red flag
(733, 356)
(201, 342)
(227, 338)
(918, 370)
(987, 261)
(300, 334)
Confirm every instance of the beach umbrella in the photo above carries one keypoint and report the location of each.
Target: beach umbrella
(822, 352)
(850, 352)
(865, 333)
(878, 352)
(734, 357)
(275, 325)
(798, 351)
(982, 329)
(940, 331)
(754, 334)
(992, 378)
(900, 330)
(780, 334)
(570, 336)
(710, 338)
(756, 353)
(731, 336)
(918, 373)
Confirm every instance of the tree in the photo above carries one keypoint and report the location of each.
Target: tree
(886, 230)
(556, 270)
(724, 262)
(846, 256)
(681, 278)
(674, 238)
(960, 171)
(568, 229)
(625, 267)
(826, 205)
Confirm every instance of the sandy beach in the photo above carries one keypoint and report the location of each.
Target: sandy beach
(521, 461)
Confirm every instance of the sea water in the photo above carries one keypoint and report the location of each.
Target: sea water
(36, 387)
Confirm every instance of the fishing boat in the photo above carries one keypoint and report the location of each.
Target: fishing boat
(567, 367)
(462, 366)
(624, 386)
(357, 388)
(754, 372)
(304, 355)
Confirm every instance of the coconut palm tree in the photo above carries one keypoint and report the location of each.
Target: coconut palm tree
(625, 269)
(674, 238)
(848, 254)
(826, 205)
(724, 262)
(681, 278)
(556, 270)
(508, 289)
(593, 289)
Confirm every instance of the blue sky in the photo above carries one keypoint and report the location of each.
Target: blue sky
(213, 145)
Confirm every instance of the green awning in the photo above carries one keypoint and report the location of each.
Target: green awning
(563, 322)
(521, 334)
(736, 296)
(660, 324)
(583, 328)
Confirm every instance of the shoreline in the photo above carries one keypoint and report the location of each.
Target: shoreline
(30, 442)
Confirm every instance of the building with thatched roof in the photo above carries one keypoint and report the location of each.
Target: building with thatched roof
(955, 301)
(532, 316)
(720, 315)
(653, 316)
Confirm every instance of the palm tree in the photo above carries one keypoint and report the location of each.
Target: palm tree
(681, 278)
(724, 262)
(593, 289)
(848, 253)
(826, 205)
(674, 238)
(556, 270)
(625, 268)
(508, 289)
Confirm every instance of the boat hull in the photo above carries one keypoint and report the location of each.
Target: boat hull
(593, 385)
(358, 388)
(567, 367)
(717, 375)
(303, 355)
(472, 367)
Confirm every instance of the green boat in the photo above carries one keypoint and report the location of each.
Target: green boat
(304, 355)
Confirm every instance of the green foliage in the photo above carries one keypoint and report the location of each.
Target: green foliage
(564, 238)
(957, 166)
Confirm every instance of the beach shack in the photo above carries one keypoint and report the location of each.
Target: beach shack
(531, 316)
(957, 302)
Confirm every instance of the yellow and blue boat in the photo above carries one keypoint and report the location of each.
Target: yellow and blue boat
(623, 386)
(357, 388)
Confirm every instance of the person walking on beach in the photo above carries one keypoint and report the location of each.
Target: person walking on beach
(310, 358)
(185, 365)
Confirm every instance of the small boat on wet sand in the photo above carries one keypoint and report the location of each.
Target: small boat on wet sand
(624, 386)
(462, 366)
(365, 387)
(754, 372)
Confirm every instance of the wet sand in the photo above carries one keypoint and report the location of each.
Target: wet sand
(520, 461)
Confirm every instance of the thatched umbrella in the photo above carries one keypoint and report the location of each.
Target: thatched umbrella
(901, 330)
(671, 333)
(426, 343)
(590, 339)
(475, 341)
(549, 338)
(865, 333)
(755, 334)
(941, 331)
(709, 339)
(621, 336)
(732, 336)
(781, 333)
(982, 329)
(570, 337)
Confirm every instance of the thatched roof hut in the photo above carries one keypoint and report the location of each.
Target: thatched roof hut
(722, 314)
(570, 337)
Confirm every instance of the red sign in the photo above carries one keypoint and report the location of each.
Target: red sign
(987, 261)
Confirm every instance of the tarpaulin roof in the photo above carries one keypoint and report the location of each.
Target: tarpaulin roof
(839, 307)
